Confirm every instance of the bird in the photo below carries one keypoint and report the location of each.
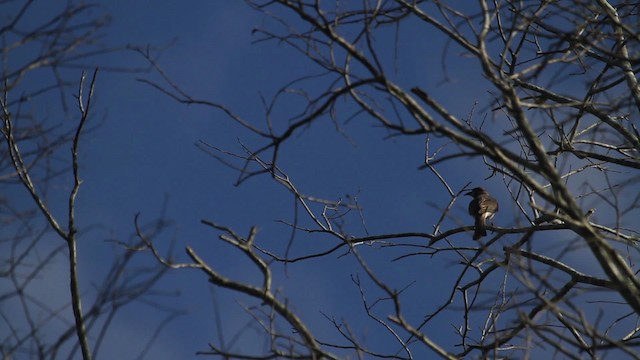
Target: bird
(482, 207)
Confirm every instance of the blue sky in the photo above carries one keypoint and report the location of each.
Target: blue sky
(150, 153)
(143, 156)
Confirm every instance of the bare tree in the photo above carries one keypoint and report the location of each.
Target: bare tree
(558, 128)
(549, 96)
(43, 62)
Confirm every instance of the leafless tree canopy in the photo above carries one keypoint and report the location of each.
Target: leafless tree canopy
(43, 62)
(558, 128)
(553, 124)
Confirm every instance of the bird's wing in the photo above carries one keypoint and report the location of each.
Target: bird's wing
(487, 204)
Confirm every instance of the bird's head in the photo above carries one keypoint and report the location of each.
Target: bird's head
(476, 191)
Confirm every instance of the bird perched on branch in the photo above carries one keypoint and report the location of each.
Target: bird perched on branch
(482, 207)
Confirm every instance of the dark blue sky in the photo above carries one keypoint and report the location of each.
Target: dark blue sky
(142, 155)
(145, 151)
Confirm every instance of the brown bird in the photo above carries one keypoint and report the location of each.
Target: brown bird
(483, 207)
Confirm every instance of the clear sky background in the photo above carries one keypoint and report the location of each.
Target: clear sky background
(142, 158)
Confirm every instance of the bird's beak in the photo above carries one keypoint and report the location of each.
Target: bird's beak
(470, 193)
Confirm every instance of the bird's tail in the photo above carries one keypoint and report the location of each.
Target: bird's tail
(480, 229)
